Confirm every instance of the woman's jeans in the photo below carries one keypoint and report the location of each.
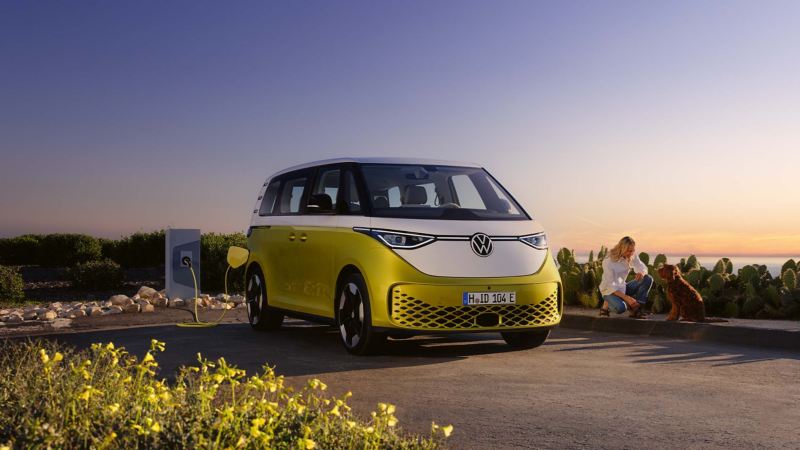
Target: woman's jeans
(636, 289)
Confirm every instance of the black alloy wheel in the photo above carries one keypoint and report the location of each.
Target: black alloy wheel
(354, 318)
(259, 314)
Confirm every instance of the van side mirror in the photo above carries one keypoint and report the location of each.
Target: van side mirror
(237, 256)
(320, 203)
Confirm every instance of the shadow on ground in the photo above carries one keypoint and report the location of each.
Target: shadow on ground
(653, 350)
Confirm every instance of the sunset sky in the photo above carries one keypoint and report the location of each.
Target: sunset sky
(675, 122)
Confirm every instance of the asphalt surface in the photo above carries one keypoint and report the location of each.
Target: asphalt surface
(582, 389)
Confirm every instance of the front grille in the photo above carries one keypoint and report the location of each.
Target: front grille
(411, 312)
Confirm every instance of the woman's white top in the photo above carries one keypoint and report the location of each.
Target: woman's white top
(615, 273)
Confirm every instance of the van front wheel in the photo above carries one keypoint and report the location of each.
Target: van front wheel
(525, 339)
(261, 317)
(354, 318)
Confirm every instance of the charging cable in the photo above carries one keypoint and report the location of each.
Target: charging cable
(197, 323)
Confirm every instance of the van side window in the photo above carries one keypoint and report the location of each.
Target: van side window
(268, 201)
(291, 194)
(325, 193)
(351, 200)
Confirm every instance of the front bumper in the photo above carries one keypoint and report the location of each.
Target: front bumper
(422, 307)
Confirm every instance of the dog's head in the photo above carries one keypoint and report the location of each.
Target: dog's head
(669, 272)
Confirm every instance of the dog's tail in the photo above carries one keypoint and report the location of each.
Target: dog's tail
(713, 320)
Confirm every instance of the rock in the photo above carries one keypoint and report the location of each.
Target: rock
(49, 316)
(65, 314)
(176, 302)
(56, 305)
(159, 301)
(76, 313)
(113, 310)
(132, 308)
(4, 312)
(30, 315)
(120, 300)
(146, 292)
(142, 302)
(241, 305)
(148, 308)
(136, 297)
(14, 318)
(40, 311)
(222, 297)
(94, 311)
(238, 299)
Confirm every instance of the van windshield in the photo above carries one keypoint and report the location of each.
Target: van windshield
(437, 192)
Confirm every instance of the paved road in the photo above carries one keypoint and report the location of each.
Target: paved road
(580, 390)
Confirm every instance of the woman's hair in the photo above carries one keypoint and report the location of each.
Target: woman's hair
(622, 247)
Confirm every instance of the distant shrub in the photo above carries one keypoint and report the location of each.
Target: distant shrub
(96, 275)
(213, 260)
(137, 250)
(66, 250)
(21, 250)
(11, 285)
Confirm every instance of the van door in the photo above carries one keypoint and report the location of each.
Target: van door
(283, 255)
(317, 237)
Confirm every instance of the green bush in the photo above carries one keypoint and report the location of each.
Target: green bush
(21, 250)
(11, 285)
(96, 275)
(104, 397)
(138, 250)
(214, 263)
(66, 250)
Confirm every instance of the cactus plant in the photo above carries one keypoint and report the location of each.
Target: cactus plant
(748, 274)
(790, 264)
(591, 256)
(660, 260)
(732, 309)
(789, 279)
(723, 266)
(588, 300)
(645, 258)
(716, 282)
(694, 277)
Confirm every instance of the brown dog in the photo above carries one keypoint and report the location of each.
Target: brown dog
(686, 301)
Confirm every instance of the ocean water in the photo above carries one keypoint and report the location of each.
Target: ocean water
(773, 263)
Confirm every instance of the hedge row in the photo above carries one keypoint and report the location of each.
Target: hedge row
(96, 263)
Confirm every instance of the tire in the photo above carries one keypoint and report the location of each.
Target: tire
(525, 339)
(354, 317)
(259, 314)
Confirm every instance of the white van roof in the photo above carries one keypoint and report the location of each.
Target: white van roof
(375, 160)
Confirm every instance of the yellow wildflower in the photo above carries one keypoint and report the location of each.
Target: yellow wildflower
(306, 443)
(43, 356)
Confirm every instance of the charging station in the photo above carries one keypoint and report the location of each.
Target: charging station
(182, 250)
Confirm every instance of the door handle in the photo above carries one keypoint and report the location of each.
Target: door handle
(292, 236)
(303, 237)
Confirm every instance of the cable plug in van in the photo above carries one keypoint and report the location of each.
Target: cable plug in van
(382, 247)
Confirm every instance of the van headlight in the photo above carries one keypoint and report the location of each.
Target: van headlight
(398, 240)
(537, 241)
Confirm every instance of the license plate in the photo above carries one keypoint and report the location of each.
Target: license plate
(489, 298)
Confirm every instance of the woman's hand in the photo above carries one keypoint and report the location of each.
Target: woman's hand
(639, 276)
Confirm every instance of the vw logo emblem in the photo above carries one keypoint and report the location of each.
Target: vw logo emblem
(481, 244)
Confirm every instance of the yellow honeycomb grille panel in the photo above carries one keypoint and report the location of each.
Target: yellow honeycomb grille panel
(411, 312)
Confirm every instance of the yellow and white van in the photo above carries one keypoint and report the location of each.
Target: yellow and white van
(387, 247)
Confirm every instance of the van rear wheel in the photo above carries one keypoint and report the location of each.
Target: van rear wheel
(525, 339)
(259, 314)
(354, 317)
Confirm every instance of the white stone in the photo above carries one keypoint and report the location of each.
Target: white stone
(176, 302)
(30, 315)
(238, 299)
(146, 292)
(113, 310)
(14, 318)
(76, 313)
(120, 300)
(56, 305)
(95, 311)
(241, 305)
(142, 302)
(148, 308)
(132, 308)
(48, 316)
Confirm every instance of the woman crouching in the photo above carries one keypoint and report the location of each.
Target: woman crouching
(619, 296)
